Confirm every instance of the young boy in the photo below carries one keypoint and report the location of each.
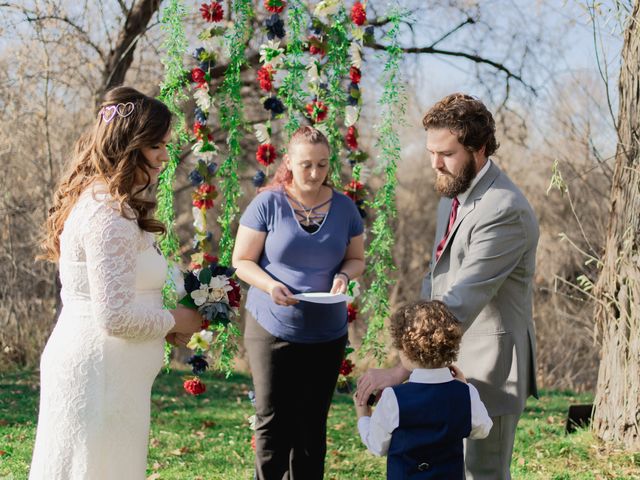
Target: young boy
(420, 424)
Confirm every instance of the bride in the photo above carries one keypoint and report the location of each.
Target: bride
(107, 346)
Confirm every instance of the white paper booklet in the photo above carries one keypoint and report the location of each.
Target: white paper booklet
(322, 297)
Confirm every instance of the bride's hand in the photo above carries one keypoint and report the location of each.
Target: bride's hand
(188, 321)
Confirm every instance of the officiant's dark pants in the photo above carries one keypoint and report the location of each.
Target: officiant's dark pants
(294, 384)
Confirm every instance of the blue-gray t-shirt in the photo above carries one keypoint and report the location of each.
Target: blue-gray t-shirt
(304, 262)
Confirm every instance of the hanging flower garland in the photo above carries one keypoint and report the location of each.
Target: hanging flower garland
(271, 59)
(202, 177)
(356, 157)
(380, 251)
(172, 93)
(292, 90)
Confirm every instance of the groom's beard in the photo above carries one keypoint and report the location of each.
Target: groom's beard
(450, 185)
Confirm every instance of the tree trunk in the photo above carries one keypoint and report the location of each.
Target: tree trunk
(617, 404)
(121, 56)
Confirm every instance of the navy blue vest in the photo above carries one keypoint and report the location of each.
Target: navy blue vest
(434, 418)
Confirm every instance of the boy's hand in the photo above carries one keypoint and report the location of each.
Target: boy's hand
(361, 410)
(457, 373)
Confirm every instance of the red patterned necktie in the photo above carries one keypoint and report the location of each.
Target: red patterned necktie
(452, 219)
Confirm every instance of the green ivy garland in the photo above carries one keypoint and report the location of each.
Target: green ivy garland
(293, 92)
(172, 93)
(232, 120)
(337, 68)
(380, 251)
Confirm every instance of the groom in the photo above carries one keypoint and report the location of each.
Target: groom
(482, 268)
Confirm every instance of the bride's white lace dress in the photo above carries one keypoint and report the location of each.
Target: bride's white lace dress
(105, 350)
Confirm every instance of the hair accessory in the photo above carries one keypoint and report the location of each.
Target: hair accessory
(122, 109)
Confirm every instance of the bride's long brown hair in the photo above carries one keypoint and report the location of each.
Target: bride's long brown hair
(110, 151)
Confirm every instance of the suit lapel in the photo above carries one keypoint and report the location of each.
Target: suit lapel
(469, 205)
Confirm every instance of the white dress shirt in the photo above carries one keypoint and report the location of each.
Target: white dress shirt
(375, 431)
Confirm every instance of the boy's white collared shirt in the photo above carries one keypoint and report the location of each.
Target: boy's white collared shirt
(375, 431)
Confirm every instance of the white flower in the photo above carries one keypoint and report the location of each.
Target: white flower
(271, 53)
(201, 295)
(355, 292)
(365, 173)
(203, 100)
(351, 115)
(200, 340)
(356, 54)
(262, 133)
(326, 7)
(178, 281)
(199, 220)
(312, 72)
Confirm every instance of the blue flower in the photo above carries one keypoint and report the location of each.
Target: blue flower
(212, 168)
(195, 178)
(199, 364)
(197, 53)
(200, 116)
(315, 26)
(275, 105)
(259, 179)
(207, 65)
(275, 27)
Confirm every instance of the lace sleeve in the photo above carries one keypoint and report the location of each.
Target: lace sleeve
(110, 245)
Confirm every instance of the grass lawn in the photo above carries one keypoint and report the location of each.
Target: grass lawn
(208, 437)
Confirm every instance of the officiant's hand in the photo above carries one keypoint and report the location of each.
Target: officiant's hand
(340, 284)
(281, 295)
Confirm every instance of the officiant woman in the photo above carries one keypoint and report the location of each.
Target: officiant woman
(297, 235)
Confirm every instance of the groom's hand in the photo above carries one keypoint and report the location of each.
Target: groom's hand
(377, 379)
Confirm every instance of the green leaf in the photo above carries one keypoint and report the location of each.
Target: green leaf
(205, 275)
(188, 302)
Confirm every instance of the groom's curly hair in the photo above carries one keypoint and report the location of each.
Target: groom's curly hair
(468, 118)
(427, 333)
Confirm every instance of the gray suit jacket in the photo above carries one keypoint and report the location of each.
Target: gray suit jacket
(485, 276)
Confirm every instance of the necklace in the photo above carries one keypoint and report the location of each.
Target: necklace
(308, 212)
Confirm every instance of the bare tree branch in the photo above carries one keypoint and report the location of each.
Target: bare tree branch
(470, 56)
(121, 56)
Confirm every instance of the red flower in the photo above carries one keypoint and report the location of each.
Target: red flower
(265, 77)
(212, 12)
(198, 76)
(253, 442)
(352, 312)
(355, 74)
(194, 266)
(266, 154)
(316, 47)
(347, 367)
(197, 129)
(210, 258)
(351, 138)
(194, 386)
(205, 324)
(234, 295)
(353, 190)
(204, 195)
(358, 14)
(317, 111)
(274, 6)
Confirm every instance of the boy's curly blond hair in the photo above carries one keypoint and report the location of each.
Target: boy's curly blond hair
(427, 333)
